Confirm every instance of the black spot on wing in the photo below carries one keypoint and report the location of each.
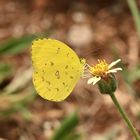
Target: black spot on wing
(48, 82)
(58, 51)
(71, 77)
(57, 89)
(57, 74)
(51, 63)
(66, 67)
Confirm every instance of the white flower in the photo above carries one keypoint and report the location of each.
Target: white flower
(101, 71)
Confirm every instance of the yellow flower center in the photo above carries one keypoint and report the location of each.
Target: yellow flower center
(100, 68)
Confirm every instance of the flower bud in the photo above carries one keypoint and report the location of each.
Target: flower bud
(107, 85)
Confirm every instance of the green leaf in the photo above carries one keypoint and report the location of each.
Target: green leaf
(16, 45)
(66, 128)
(134, 74)
(135, 13)
(72, 136)
(5, 70)
(17, 103)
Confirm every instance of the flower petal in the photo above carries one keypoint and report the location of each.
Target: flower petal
(94, 80)
(90, 80)
(114, 63)
(114, 70)
(117, 69)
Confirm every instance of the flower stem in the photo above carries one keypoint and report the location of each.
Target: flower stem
(125, 117)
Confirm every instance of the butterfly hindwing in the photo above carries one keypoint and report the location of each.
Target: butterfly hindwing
(56, 69)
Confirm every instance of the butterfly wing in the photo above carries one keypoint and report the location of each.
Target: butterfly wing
(56, 69)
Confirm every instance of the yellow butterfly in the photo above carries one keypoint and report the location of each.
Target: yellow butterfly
(57, 69)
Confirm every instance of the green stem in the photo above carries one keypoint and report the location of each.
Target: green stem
(135, 12)
(125, 117)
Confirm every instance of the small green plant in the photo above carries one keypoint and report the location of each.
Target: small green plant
(135, 13)
(15, 92)
(67, 129)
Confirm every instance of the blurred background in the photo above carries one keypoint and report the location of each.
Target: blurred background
(95, 29)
